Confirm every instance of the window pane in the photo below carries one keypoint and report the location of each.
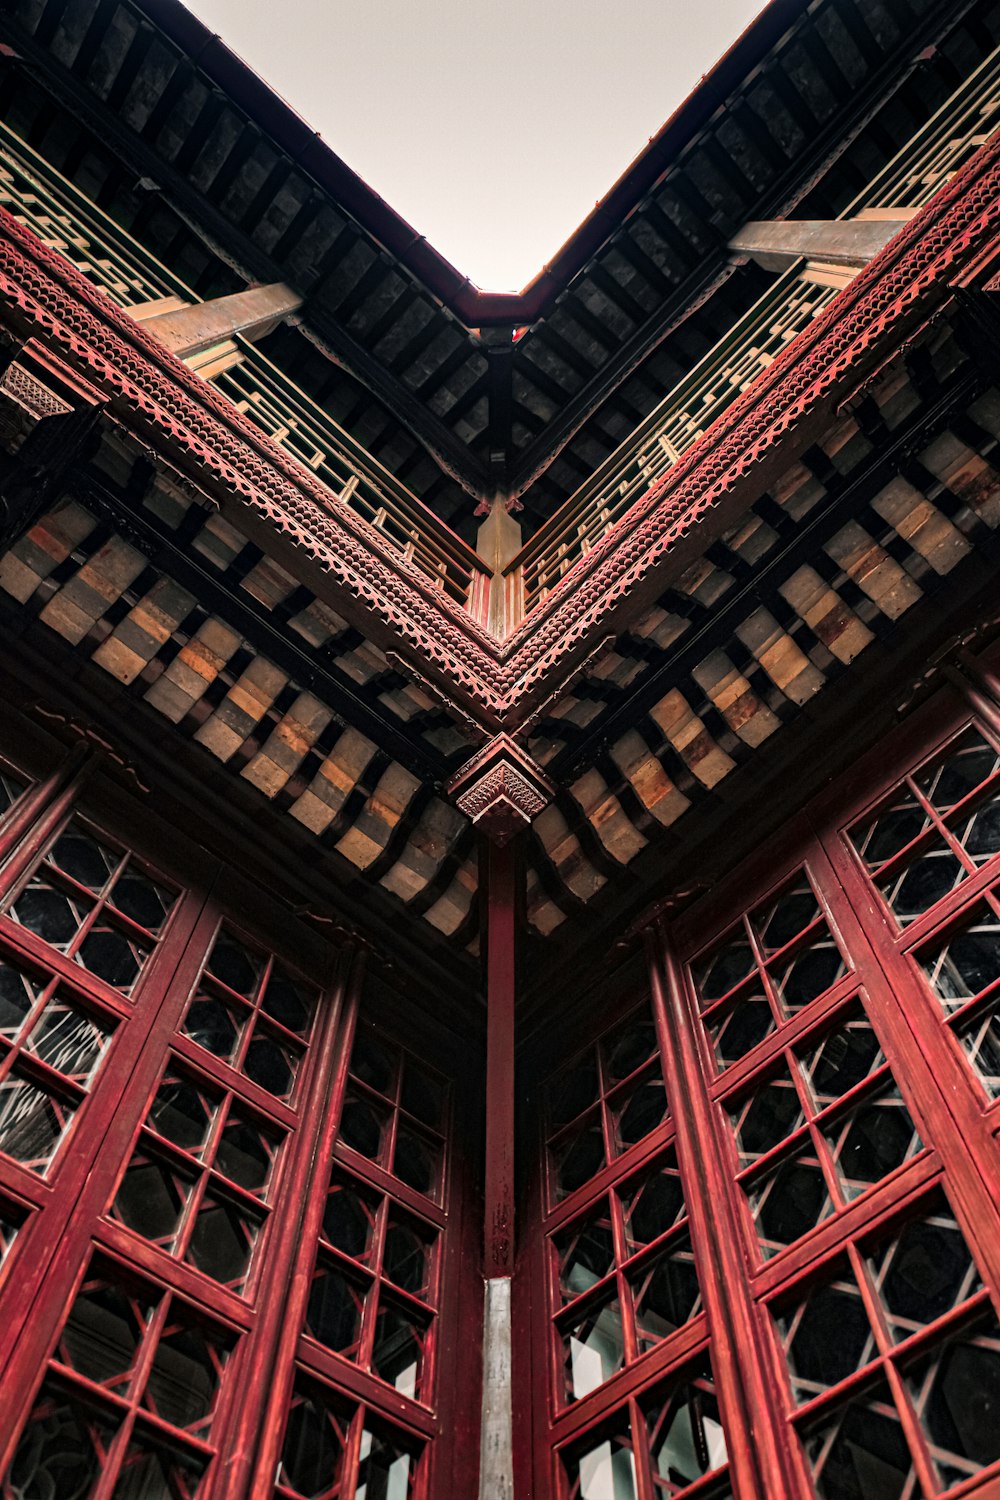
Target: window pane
(827, 1336)
(652, 1204)
(594, 1347)
(397, 1354)
(860, 1452)
(586, 1252)
(785, 916)
(32, 1122)
(686, 1438)
(956, 1392)
(665, 1293)
(605, 1471)
(312, 1458)
(923, 1271)
(872, 1140)
(386, 1471)
(788, 1201)
(62, 1449)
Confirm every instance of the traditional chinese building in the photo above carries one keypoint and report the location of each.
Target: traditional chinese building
(500, 839)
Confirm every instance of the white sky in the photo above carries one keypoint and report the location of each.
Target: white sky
(492, 127)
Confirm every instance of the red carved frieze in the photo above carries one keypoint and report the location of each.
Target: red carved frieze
(501, 789)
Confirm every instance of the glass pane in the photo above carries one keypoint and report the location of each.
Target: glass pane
(788, 1201)
(422, 1095)
(956, 1392)
(923, 1271)
(891, 830)
(182, 1112)
(214, 1026)
(785, 916)
(349, 1219)
(573, 1090)
(18, 995)
(747, 1021)
(152, 1199)
(407, 1257)
(154, 1473)
(11, 787)
(872, 1140)
(965, 765)
(141, 899)
(246, 1154)
(827, 1336)
(103, 1332)
(222, 1242)
(860, 1452)
(70, 1039)
(374, 1064)
(627, 1049)
(766, 1117)
(312, 1457)
(270, 1065)
(184, 1378)
(49, 912)
(113, 957)
(234, 964)
(652, 1204)
(363, 1127)
(686, 1438)
(334, 1312)
(578, 1156)
(605, 1471)
(417, 1161)
(84, 858)
(968, 962)
(397, 1354)
(723, 968)
(812, 971)
(638, 1110)
(980, 1038)
(288, 1002)
(665, 1293)
(386, 1471)
(844, 1058)
(586, 1252)
(32, 1122)
(62, 1450)
(979, 831)
(927, 879)
(595, 1347)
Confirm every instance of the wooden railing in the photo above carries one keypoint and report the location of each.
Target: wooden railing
(907, 182)
(36, 195)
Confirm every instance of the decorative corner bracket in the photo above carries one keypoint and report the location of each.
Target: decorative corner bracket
(501, 789)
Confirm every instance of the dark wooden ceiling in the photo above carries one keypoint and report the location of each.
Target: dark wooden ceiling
(150, 115)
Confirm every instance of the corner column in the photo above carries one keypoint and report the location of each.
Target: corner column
(500, 789)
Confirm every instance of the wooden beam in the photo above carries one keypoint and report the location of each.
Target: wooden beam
(776, 244)
(252, 314)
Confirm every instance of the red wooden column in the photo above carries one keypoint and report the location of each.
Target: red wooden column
(756, 1435)
(500, 871)
(499, 864)
(500, 789)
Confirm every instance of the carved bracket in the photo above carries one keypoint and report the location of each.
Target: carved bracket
(501, 789)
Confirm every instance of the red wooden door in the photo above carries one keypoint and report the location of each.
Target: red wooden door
(808, 1305)
(211, 1284)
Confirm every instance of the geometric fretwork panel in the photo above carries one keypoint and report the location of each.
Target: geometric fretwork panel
(893, 1356)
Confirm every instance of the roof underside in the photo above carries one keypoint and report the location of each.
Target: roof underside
(195, 157)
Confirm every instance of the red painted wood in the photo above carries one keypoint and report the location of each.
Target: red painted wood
(276, 1373)
(758, 1454)
(501, 992)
